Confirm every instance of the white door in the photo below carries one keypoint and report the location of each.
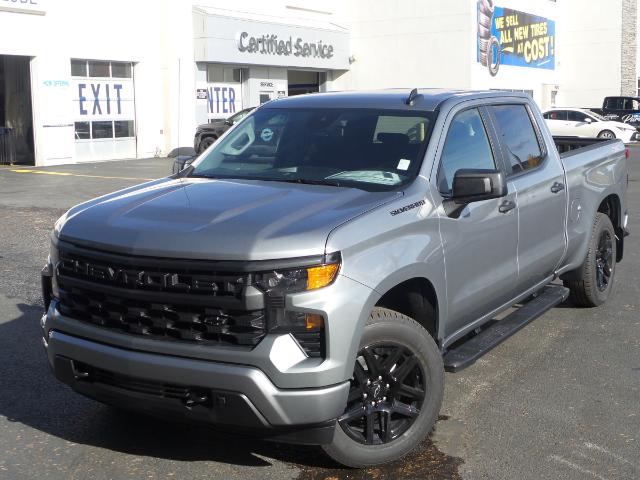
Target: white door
(557, 122)
(578, 123)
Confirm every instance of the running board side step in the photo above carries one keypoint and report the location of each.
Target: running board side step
(467, 353)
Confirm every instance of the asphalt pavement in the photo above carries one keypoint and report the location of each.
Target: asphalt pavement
(559, 400)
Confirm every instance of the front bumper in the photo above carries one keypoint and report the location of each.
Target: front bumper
(207, 392)
(260, 389)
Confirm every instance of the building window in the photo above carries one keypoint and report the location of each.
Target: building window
(123, 128)
(120, 70)
(83, 131)
(78, 68)
(104, 129)
(221, 74)
(101, 129)
(101, 69)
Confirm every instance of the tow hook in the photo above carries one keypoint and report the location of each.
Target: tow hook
(193, 398)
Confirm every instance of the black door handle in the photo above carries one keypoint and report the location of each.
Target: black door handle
(507, 206)
(557, 187)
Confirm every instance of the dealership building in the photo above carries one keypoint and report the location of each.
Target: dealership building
(95, 80)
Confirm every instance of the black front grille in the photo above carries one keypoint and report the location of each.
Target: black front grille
(136, 296)
(162, 320)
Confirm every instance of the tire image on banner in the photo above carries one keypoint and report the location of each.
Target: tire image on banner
(488, 45)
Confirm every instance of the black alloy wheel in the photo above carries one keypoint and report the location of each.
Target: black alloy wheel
(386, 394)
(604, 260)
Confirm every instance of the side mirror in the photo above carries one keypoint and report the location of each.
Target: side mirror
(228, 122)
(588, 120)
(474, 185)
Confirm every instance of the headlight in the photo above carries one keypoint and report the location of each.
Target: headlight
(300, 279)
(59, 224)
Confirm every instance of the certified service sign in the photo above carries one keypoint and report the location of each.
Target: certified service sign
(35, 7)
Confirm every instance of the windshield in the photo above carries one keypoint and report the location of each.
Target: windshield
(362, 148)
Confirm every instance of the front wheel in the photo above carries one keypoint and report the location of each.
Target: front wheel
(206, 143)
(608, 134)
(395, 395)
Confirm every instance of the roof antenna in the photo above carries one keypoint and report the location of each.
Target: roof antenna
(412, 96)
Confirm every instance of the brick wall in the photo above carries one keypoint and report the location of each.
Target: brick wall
(629, 32)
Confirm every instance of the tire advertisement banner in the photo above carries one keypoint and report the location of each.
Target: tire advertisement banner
(511, 37)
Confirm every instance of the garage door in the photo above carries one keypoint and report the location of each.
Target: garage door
(104, 106)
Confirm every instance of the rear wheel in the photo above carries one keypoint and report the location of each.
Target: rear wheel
(206, 143)
(608, 134)
(395, 395)
(598, 269)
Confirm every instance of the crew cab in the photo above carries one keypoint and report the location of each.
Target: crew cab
(312, 275)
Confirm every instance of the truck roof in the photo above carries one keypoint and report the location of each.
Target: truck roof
(428, 99)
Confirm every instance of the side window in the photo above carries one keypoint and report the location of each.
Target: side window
(466, 146)
(576, 116)
(518, 136)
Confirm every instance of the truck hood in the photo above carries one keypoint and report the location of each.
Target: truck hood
(217, 219)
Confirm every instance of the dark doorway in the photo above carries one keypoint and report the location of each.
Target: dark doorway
(16, 117)
(301, 81)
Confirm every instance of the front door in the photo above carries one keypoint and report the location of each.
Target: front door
(480, 241)
(538, 178)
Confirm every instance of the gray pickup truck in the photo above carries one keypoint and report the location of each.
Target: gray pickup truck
(311, 276)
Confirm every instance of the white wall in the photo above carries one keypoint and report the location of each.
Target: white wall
(590, 51)
(406, 43)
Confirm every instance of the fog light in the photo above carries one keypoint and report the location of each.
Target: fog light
(314, 321)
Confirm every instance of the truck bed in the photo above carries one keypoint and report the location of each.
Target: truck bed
(567, 144)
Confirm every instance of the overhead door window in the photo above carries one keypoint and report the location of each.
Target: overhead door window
(518, 137)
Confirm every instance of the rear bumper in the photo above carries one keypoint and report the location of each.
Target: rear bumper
(226, 395)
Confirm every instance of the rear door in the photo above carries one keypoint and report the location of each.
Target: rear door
(557, 122)
(480, 240)
(539, 181)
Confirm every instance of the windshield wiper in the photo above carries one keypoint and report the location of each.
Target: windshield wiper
(309, 181)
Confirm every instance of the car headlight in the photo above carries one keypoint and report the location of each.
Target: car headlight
(59, 224)
(281, 282)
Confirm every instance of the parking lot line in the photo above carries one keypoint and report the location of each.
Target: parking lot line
(66, 174)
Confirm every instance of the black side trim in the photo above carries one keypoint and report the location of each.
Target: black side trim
(467, 352)
(81, 247)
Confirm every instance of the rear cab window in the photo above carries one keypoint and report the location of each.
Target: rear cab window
(518, 137)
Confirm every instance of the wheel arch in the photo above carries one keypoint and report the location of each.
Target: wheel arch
(612, 208)
(416, 298)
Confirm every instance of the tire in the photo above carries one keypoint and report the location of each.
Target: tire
(598, 269)
(608, 134)
(205, 143)
(410, 401)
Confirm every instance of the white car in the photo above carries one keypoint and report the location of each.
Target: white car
(578, 122)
